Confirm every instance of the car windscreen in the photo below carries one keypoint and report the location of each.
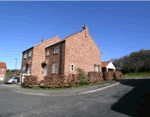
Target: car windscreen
(10, 77)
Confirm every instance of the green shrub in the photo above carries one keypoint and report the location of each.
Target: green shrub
(83, 76)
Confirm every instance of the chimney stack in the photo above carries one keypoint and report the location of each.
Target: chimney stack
(86, 30)
(43, 40)
(85, 27)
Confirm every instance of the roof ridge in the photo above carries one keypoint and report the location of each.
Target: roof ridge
(72, 34)
(61, 40)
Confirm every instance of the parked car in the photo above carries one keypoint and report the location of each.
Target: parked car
(13, 80)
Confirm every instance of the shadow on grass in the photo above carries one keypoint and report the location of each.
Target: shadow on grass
(135, 103)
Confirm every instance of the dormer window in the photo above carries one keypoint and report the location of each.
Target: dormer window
(56, 49)
(25, 55)
(47, 52)
(30, 53)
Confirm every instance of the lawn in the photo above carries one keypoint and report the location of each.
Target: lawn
(139, 74)
(11, 73)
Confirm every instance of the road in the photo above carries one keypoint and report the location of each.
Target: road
(130, 98)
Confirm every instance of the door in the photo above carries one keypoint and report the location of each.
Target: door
(2, 77)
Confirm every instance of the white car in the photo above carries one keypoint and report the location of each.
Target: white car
(13, 79)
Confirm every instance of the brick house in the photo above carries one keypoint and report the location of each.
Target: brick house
(2, 71)
(62, 56)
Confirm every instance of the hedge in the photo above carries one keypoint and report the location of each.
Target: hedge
(95, 77)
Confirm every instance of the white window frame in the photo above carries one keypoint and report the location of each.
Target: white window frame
(24, 69)
(30, 53)
(96, 68)
(3, 69)
(25, 55)
(45, 70)
(29, 70)
(54, 70)
(56, 49)
(72, 67)
(47, 52)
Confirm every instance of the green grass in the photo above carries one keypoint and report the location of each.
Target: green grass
(139, 74)
(11, 73)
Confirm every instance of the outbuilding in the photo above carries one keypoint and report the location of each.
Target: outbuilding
(108, 66)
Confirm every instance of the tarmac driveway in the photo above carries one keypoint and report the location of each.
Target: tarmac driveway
(126, 99)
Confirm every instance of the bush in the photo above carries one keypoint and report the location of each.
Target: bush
(108, 75)
(61, 80)
(95, 77)
(30, 81)
(83, 76)
(117, 74)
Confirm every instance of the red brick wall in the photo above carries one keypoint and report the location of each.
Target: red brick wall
(82, 51)
(39, 57)
(3, 72)
(56, 58)
(26, 60)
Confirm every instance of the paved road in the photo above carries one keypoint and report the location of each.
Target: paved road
(130, 98)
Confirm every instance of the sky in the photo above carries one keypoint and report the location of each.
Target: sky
(118, 28)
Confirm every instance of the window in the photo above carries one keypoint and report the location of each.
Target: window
(29, 70)
(55, 68)
(30, 60)
(72, 67)
(45, 70)
(25, 55)
(24, 69)
(30, 53)
(56, 49)
(47, 52)
(2, 69)
(96, 68)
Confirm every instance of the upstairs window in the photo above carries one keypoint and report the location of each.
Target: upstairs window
(30, 53)
(55, 68)
(47, 52)
(56, 49)
(2, 69)
(25, 55)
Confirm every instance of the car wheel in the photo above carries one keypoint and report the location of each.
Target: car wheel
(13, 82)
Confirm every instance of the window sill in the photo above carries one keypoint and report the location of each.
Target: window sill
(55, 53)
(54, 73)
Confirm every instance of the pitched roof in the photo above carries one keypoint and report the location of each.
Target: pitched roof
(104, 64)
(63, 39)
(2, 64)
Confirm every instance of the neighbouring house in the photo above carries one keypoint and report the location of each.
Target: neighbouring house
(108, 66)
(62, 56)
(2, 71)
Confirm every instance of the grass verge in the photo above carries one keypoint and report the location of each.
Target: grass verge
(139, 74)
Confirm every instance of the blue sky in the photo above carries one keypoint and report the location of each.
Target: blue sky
(118, 28)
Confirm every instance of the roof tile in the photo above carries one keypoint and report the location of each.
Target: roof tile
(104, 64)
(2, 64)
